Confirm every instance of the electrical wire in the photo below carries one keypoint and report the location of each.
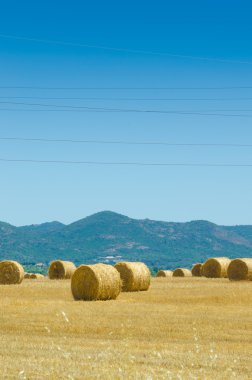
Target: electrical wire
(125, 88)
(125, 110)
(113, 142)
(122, 163)
(123, 50)
(123, 99)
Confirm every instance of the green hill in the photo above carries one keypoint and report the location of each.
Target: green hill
(109, 237)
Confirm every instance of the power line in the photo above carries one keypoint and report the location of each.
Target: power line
(124, 88)
(48, 110)
(123, 99)
(113, 109)
(123, 50)
(122, 163)
(94, 109)
(108, 111)
(45, 140)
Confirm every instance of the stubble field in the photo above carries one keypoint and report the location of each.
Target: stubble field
(182, 328)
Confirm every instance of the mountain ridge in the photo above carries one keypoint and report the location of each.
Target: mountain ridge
(107, 237)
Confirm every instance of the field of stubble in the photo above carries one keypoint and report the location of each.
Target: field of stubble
(191, 328)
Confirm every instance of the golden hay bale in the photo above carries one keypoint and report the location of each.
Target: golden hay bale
(36, 276)
(240, 269)
(11, 272)
(164, 273)
(27, 275)
(182, 272)
(95, 282)
(135, 276)
(59, 270)
(196, 270)
(215, 267)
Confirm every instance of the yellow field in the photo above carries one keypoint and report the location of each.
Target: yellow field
(191, 328)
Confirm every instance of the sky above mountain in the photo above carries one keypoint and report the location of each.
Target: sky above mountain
(192, 60)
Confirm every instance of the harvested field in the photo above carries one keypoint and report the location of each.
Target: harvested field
(181, 328)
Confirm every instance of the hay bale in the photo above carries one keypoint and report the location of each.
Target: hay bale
(196, 270)
(240, 269)
(215, 267)
(27, 275)
(95, 282)
(164, 273)
(135, 276)
(182, 272)
(11, 272)
(36, 276)
(59, 270)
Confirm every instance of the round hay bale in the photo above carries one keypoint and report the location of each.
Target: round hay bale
(182, 272)
(95, 282)
(135, 276)
(59, 270)
(240, 269)
(196, 270)
(36, 276)
(164, 273)
(27, 275)
(215, 267)
(11, 272)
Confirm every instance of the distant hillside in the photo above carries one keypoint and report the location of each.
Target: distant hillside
(109, 237)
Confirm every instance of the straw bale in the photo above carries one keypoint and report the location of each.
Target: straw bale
(215, 267)
(11, 272)
(36, 276)
(95, 282)
(59, 270)
(240, 269)
(135, 276)
(196, 270)
(182, 272)
(164, 273)
(27, 275)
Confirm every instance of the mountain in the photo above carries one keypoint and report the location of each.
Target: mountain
(109, 237)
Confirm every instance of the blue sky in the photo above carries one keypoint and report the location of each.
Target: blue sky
(218, 31)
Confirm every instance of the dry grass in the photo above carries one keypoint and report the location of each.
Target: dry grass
(182, 328)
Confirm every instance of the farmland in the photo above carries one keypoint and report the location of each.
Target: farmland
(181, 328)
